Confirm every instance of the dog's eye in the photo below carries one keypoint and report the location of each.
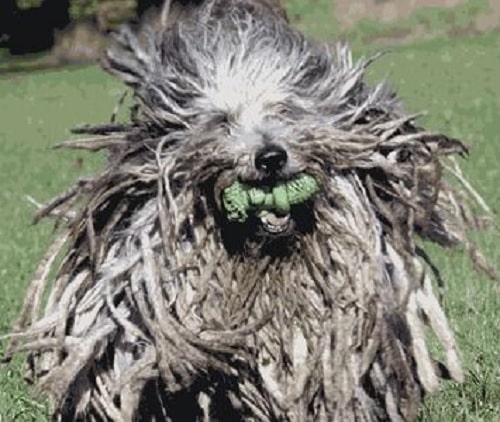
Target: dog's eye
(220, 120)
(282, 110)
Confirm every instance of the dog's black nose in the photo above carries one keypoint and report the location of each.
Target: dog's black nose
(271, 159)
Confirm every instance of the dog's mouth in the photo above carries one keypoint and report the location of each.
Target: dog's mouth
(275, 224)
(271, 204)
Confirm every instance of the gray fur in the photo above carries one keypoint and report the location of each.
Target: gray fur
(163, 309)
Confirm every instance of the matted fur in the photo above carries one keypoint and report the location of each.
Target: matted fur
(162, 310)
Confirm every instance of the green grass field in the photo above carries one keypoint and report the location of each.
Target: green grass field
(456, 80)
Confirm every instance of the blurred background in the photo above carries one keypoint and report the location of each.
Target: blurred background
(444, 59)
(74, 31)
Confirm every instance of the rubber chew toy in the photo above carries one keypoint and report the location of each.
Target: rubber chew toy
(238, 199)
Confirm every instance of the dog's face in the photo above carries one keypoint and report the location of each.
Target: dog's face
(266, 149)
(264, 146)
(254, 106)
(260, 151)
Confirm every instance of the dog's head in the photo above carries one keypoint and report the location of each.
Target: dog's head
(249, 113)
(253, 129)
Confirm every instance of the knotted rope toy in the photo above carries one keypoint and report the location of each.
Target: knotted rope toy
(238, 199)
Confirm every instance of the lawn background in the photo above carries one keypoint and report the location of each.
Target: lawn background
(456, 79)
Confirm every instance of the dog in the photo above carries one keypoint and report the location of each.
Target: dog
(248, 252)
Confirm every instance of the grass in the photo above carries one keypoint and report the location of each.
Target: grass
(36, 111)
(430, 22)
(455, 80)
(318, 19)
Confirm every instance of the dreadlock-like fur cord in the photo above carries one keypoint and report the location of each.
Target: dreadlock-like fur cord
(162, 309)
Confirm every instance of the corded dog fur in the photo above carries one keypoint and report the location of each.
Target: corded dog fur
(162, 308)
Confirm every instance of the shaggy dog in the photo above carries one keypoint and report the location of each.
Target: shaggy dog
(249, 251)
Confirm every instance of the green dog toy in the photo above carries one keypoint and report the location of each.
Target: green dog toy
(238, 198)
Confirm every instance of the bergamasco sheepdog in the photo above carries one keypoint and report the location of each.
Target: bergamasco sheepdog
(250, 251)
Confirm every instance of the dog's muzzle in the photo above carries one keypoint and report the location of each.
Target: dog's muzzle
(271, 204)
(271, 159)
